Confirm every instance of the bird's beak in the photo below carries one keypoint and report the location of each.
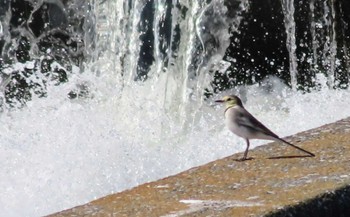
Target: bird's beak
(219, 101)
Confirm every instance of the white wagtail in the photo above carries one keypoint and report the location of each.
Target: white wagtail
(243, 124)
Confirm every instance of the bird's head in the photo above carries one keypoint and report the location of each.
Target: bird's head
(231, 101)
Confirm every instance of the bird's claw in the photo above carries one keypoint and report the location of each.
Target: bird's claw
(244, 159)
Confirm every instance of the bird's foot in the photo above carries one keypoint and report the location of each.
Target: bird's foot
(244, 159)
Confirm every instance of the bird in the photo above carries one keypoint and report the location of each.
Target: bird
(240, 122)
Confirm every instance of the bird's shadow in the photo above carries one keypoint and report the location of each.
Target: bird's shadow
(289, 156)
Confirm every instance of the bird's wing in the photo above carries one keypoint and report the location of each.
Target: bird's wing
(247, 120)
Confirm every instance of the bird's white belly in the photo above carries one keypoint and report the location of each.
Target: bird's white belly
(239, 131)
(242, 130)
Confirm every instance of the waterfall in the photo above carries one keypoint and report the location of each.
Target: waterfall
(330, 46)
(313, 67)
(288, 11)
(324, 42)
(186, 41)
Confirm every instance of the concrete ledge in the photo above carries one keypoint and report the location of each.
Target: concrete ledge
(277, 182)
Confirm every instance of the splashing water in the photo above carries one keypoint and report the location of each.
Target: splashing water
(58, 153)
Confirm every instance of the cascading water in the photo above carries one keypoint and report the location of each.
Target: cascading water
(138, 111)
(288, 10)
(324, 39)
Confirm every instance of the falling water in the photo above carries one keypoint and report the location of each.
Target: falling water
(186, 46)
(330, 47)
(288, 11)
(324, 40)
(313, 35)
(143, 116)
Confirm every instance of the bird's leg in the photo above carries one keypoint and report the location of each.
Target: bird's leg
(246, 151)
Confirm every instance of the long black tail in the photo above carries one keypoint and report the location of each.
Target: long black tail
(294, 146)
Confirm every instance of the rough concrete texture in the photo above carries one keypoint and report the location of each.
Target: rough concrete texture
(277, 182)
